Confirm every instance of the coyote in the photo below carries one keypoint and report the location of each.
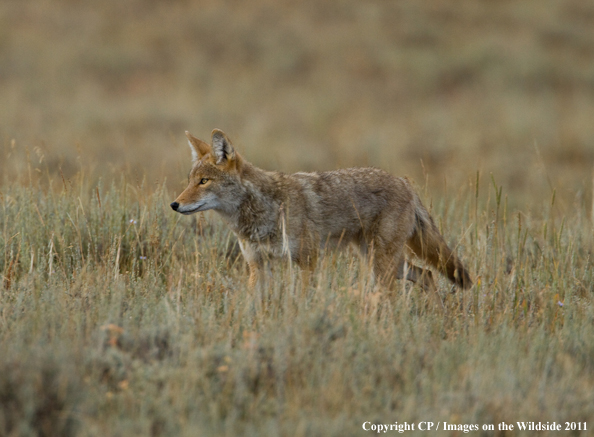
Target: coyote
(274, 214)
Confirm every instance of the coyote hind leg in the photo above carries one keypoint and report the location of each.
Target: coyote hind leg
(388, 262)
(389, 265)
(387, 246)
(416, 275)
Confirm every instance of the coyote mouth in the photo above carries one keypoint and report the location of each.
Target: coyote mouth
(194, 210)
(190, 212)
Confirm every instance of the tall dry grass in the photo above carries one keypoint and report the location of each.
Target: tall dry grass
(119, 317)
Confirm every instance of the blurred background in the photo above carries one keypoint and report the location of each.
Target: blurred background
(435, 90)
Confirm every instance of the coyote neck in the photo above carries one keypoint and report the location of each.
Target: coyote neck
(257, 218)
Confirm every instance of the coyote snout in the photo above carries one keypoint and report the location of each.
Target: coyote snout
(273, 214)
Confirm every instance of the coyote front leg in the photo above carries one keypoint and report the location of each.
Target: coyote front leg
(307, 265)
(254, 261)
(255, 274)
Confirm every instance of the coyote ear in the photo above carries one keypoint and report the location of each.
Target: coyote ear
(198, 147)
(221, 146)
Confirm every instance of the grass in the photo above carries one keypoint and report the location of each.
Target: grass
(119, 317)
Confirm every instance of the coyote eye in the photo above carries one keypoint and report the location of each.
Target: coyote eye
(203, 181)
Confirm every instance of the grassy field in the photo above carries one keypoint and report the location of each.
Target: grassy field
(119, 317)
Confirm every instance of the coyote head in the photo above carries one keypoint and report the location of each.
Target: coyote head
(213, 182)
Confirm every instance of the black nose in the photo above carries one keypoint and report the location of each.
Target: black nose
(174, 206)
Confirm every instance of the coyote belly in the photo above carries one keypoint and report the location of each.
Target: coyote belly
(275, 214)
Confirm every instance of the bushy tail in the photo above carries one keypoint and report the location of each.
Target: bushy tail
(428, 244)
